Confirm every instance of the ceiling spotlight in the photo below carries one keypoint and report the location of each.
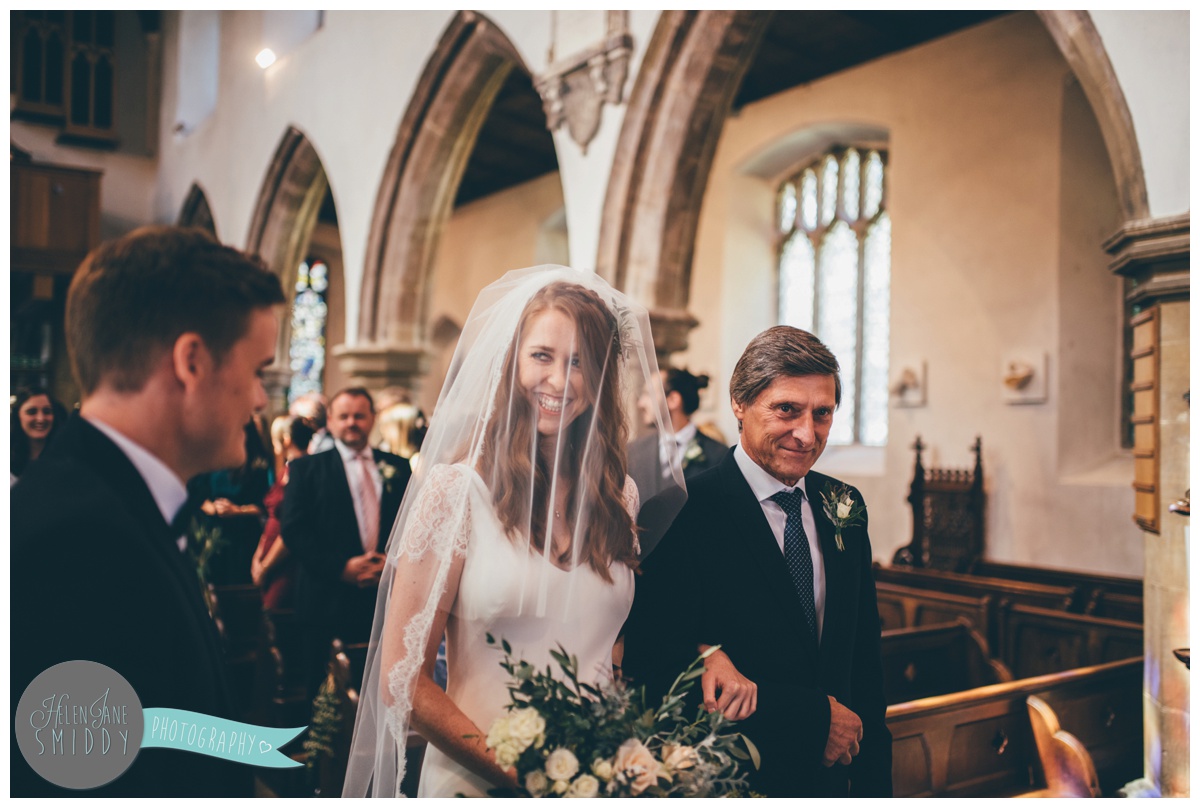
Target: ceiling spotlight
(265, 58)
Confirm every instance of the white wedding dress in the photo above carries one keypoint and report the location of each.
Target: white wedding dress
(520, 597)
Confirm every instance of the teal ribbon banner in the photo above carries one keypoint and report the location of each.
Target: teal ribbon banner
(217, 737)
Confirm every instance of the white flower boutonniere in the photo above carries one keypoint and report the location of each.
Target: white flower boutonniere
(842, 511)
(694, 453)
(388, 472)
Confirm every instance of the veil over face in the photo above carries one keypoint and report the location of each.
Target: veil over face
(529, 435)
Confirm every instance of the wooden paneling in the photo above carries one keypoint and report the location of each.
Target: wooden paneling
(55, 216)
(1145, 387)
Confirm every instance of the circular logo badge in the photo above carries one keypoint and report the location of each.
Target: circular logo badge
(79, 724)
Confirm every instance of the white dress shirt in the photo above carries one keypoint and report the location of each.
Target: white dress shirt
(354, 469)
(678, 445)
(168, 490)
(764, 487)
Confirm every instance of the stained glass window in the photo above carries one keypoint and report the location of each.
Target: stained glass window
(835, 278)
(309, 313)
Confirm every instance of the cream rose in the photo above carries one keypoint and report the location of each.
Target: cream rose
(526, 727)
(562, 765)
(560, 787)
(536, 783)
(507, 754)
(843, 509)
(498, 733)
(636, 766)
(603, 768)
(678, 758)
(584, 786)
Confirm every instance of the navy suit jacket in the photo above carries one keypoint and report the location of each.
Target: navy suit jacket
(320, 528)
(97, 575)
(719, 578)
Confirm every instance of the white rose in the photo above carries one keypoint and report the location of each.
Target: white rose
(498, 733)
(562, 765)
(526, 726)
(843, 509)
(560, 787)
(507, 754)
(636, 766)
(584, 786)
(603, 768)
(536, 783)
(678, 758)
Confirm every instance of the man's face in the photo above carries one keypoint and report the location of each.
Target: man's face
(784, 430)
(351, 420)
(233, 393)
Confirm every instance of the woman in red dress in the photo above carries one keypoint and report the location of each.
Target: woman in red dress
(272, 567)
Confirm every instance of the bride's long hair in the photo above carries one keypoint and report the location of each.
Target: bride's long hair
(592, 457)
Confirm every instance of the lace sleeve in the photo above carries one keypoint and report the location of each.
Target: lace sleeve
(441, 506)
(633, 504)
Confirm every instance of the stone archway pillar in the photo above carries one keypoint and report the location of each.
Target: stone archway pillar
(378, 366)
(276, 380)
(670, 328)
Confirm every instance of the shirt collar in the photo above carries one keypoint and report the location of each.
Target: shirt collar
(760, 480)
(168, 490)
(349, 454)
(684, 436)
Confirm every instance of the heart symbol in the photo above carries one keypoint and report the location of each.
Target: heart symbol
(264, 747)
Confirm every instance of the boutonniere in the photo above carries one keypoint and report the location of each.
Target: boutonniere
(693, 453)
(388, 472)
(842, 511)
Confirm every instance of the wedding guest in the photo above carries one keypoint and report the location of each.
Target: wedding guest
(403, 427)
(792, 596)
(338, 507)
(273, 569)
(312, 407)
(695, 451)
(34, 417)
(519, 524)
(168, 333)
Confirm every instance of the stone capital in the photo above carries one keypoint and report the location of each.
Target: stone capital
(377, 366)
(1156, 254)
(670, 328)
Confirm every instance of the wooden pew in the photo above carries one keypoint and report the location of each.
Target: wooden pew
(934, 660)
(1067, 768)
(979, 742)
(1036, 641)
(1123, 595)
(907, 607)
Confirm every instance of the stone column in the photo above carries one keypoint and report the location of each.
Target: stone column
(379, 366)
(670, 328)
(276, 380)
(1156, 256)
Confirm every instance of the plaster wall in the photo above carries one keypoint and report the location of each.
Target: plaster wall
(980, 243)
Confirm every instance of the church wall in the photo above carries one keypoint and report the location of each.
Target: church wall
(482, 241)
(980, 240)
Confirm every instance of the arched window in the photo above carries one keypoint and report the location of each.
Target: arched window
(835, 247)
(309, 313)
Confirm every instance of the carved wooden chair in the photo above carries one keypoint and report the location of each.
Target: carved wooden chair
(947, 516)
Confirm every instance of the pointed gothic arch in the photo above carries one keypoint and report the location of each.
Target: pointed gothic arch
(196, 212)
(693, 65)
(439, 129)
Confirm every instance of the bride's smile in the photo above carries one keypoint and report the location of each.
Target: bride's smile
(549, 370)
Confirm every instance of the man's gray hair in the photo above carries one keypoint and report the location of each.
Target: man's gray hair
(781, 351)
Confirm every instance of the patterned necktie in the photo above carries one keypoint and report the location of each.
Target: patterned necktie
(370, 504)
(796, 553)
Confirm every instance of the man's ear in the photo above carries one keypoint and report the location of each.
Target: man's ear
(738, 412)
(191, 359)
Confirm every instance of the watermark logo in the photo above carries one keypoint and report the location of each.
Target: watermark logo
(80, 725)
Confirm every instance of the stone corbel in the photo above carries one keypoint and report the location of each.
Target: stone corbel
(276, 380)
(670, 328)
(379, 366)
(575, 90)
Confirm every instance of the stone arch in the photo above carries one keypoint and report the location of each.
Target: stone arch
(196, 212)
(416, 196)
(285, 214)
(693, 65)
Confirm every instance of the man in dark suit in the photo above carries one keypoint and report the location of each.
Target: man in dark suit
(168, 333)
(752, 564)
(696, 451)
(338, 510)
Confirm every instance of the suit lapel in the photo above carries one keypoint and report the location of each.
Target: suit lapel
(342, 501)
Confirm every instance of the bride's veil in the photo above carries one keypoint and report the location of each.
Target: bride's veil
(480, 461)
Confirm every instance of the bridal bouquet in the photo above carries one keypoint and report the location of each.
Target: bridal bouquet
(568, 738)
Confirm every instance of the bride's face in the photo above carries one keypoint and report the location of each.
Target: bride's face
(548, 369)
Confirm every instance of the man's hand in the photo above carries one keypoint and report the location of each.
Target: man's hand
(363, 570)
(738, 695)
(845, 731)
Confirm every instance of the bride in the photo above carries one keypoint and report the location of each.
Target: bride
(521, 524)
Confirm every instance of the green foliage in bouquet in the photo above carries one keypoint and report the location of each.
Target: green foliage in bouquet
(569, 738)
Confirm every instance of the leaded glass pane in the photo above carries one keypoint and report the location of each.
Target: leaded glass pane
(309, 314)
(796, 266)
(873, 192)
(808, 200)
(787, 208)
(829, 189)
(850, 185)
(877, 283)
(837, 318)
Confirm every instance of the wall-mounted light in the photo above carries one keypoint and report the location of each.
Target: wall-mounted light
(909, 388)
(265, 58)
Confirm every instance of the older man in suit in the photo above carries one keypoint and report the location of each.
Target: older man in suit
(755, 565)
(338, 510)
(168, 333)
